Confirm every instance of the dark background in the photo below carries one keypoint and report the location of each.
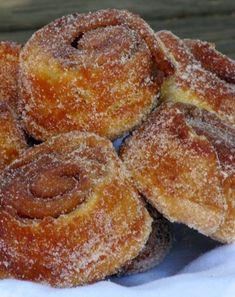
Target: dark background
(212, 20)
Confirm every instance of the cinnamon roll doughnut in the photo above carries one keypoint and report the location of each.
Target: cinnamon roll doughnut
(97, 72)
(202, 77)
(12, 139)
(183, 161)
(9, 64)
(222, 137)
(69, 214)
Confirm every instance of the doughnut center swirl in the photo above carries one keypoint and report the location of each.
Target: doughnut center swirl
(116, 42)
(54, 182)
(104, 31)
(44, 188)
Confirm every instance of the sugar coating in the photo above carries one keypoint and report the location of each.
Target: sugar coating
(97, 72)
(203, 76)
(177, 168)
(12, 139)
(222, 137)
(9, 63)
(212, 60)
(71, 201)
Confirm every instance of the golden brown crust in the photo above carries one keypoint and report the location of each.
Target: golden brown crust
(9, 64)
(156, 248)
(12, 139)
(222, 138)
(177, 169)
(212, 60)
(202, 76)
(102, 226)
(90, 72)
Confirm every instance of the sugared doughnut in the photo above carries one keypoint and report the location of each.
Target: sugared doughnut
(156, 248)
(202, 76)
(183, 161)
(12, 139)
(9, 63)
(69, 214)
(96, 72)
(222, 138)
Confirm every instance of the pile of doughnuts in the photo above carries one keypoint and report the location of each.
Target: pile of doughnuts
(72, 209)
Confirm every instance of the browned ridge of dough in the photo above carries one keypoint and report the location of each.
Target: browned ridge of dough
(202, 76)
(69, 214)
(99, 72)
(212, 60)
(182, 161)
(9, 64)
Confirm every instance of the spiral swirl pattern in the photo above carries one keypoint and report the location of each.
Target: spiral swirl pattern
(71, 201)
(98, 72)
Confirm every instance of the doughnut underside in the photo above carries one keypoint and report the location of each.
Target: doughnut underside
(155, 249)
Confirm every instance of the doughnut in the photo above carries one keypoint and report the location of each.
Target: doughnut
(182, 160)
(98, 72)
(9, 64)
(222, 137)
(69, 213)
(202, 77)
(156, 248)
(12, 139)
